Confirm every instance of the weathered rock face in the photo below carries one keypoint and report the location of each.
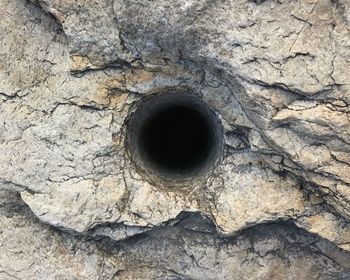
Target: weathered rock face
(188, 250)
(275, 74)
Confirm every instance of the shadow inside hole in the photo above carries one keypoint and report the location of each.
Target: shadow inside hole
(178, 138)
(175, 136)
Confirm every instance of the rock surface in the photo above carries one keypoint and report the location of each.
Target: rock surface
(189, 249)
(73, 204)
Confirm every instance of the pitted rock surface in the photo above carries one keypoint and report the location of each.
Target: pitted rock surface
(276, 73)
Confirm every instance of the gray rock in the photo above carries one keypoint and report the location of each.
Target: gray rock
(32, 250)
(275, 74)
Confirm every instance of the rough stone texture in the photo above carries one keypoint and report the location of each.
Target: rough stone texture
(190, 249)
(275, 72)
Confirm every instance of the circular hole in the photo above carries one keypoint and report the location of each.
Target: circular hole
(174, 136)
(177, 138)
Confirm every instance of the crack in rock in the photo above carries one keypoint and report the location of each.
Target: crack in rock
(273, 73)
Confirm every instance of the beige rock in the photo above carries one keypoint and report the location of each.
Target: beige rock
(275, 74)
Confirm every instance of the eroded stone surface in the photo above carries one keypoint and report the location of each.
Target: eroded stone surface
(276, 73)
(188, 250)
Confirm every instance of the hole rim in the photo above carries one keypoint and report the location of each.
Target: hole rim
(146, 107)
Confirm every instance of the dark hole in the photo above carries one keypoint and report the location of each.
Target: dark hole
(177, 138)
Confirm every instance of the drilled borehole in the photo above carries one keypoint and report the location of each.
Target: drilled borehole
(174, 136)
